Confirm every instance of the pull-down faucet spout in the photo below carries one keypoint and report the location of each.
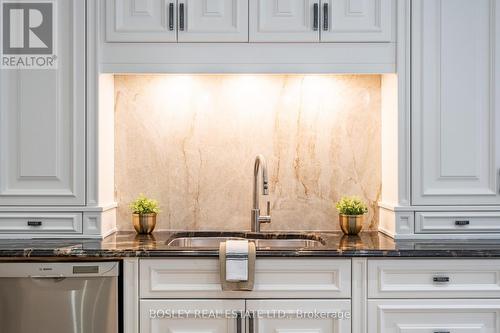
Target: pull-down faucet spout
(257, 219)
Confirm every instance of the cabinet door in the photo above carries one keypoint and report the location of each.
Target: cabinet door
(430, 316)
(299, 315)
(193, 316)
(213, 21)
(357, 20)
(455, 94)
(141, 20)
(284, 20)
(42, 120)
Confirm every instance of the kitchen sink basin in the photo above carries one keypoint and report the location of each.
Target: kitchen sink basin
(261, 240)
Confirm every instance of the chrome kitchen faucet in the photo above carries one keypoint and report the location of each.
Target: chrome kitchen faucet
(257, 219)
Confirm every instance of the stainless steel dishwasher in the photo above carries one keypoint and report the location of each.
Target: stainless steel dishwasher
(59, 297)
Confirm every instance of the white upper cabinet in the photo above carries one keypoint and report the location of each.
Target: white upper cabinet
(213, 21)
(141, 20)
(325, 21)
(455, 93)
(42, 120)
(284, 20)
(241, 21)
(357, 20)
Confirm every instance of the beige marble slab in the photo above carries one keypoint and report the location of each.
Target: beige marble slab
(190, 142)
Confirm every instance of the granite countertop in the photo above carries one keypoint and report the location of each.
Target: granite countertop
(335, 244)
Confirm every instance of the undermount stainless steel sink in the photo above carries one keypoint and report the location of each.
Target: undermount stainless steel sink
(262, 241)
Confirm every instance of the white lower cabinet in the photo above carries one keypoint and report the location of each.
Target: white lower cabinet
(318, 316)
(401, 296)
(433, 316)
(433, 296)
(290, 295)
(193, 316)
(225, 316)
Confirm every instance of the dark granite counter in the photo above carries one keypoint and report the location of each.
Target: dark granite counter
(128, 244)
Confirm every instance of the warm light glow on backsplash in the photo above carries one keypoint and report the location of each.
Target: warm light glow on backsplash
(190, 141)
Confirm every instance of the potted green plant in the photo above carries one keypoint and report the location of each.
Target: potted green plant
(144, 211)
(351, 214)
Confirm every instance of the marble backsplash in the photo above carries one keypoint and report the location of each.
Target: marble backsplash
(189, 141)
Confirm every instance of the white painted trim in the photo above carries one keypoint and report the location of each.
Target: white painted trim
(131, 295)
(387, 232)
(396, 208)
(250, 68)
(249, 58)
(359, 295)
(58, 208)
(444, 236)
(92, 77)
(403, 68)
(54, 236)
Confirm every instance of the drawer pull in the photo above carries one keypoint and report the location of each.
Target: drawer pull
(315, 16)
(441, 332)
(251, 323)
(171, 17)
(441, 279)
(238, 322)
(325, 16)
(34, 223)
(181, 17)
(462, 222)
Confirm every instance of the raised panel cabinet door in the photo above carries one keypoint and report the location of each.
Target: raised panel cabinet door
(299, 315)
(284, 20)
(455, 92)
(42, 120)
(357, 20)
(193, 316)
(141, 20)
(213, 21)
(433, 316)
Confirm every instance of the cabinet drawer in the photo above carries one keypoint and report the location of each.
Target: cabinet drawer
(457, 222)
(429, 316)
(415, 278)
(301, 315)
(194, 315)
(33, 223)
(281, 278)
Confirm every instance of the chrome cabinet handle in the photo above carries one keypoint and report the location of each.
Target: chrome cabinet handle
(441, 332)
(462, 222)
(181, 17)
(34, 223)
(325, 16)
(498, 181)
(251, 323)
(171, 17)
(238, 322)
(441, 279)
(315, 16)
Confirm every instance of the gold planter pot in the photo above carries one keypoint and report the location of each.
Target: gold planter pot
(351, 224)
(144, 223)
